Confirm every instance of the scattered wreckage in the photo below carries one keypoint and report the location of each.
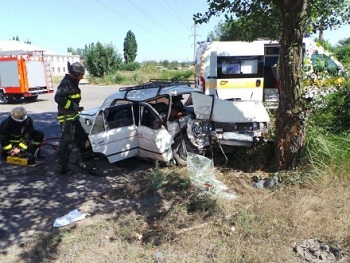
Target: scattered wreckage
(164, 120)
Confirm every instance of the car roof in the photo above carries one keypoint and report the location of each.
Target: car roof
(152, 89)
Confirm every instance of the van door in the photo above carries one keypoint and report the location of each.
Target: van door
(114, 132)
(154, 140)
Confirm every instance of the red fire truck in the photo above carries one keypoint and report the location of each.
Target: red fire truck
(24, 74)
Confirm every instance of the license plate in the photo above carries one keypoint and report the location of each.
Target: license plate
(237, 136)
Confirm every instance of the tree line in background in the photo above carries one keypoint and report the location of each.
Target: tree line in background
(103, 59)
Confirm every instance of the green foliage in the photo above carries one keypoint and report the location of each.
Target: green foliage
(177, 75)
(146, 72)
(132, 66)
(327, 153)
(157, 177)
(101, 59)
(119, 78)
(130, 47)
(328, 129)
(236, 30)
(342, 52)
(328, 14)
(248, 21)
(78, 51)
(333, 115)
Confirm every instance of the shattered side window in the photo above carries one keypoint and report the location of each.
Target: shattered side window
(98, 125)
(118, 117)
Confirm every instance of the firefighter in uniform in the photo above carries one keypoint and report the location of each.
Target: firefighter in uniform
(67, 97)
(18, 136)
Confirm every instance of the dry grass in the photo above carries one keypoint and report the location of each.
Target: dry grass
(178, 225)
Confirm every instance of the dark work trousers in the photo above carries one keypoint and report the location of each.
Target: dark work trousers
(73, 135)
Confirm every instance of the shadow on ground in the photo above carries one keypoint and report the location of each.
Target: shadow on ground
(31, 198)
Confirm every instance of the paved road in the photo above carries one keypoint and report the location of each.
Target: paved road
(44, 110)
(32, 197)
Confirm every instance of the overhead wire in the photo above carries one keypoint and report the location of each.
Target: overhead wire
(182, 12)
(143, 28)
(151, 18)
(174, 13)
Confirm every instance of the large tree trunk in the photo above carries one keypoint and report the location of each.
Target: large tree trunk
(290, 118)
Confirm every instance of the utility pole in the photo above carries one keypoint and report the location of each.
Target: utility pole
(194, 42)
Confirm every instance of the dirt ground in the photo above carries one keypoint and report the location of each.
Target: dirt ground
(31, 198)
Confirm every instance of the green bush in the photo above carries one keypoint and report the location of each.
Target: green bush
(130, 66)
(333, 115)
(327, 139)
(177, 74)
(119, 78)
(141, 75)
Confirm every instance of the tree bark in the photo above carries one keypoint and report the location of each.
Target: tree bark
(290, 116)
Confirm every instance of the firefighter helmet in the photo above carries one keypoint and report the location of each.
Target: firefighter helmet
(76, 67)
(19, 114)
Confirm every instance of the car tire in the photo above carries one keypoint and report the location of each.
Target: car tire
(179, 153)
(181, 146)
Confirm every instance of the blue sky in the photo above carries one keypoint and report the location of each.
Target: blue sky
(163, 29)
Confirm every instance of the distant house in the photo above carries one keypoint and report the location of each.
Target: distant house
(58, 63)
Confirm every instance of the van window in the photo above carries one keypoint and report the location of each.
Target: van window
(240, 67)
(322, 62)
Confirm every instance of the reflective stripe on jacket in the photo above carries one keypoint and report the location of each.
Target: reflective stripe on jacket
(67, 97)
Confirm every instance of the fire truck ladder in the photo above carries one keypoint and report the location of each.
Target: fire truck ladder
(49, 76)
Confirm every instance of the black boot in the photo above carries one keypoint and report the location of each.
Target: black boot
(64, 170)
(89, 166)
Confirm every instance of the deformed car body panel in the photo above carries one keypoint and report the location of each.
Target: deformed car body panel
(236, 123)
(155, 144)
(115, 142)
(145, 135)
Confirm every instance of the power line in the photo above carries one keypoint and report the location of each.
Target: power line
(145, 29)
(174, 34)
(178, 6)
(174, 13)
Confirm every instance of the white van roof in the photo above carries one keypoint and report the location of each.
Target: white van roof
(234, 48)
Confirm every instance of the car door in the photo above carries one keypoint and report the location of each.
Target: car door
(114, 132)
(154, 139)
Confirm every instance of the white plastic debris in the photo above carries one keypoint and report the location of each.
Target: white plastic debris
(202, 174)
(69, 218)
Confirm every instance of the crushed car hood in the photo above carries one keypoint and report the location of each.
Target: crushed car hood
(219, 110)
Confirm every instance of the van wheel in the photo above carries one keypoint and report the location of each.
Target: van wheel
(3, 98)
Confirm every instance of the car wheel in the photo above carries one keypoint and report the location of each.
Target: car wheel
(182, 145)
(179, 151)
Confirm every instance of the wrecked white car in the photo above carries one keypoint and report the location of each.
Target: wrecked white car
(163, 120)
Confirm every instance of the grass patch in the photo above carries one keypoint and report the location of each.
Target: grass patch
(188, 227)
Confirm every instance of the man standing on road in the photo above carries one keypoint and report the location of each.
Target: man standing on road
(68, 96)
(18, 136)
